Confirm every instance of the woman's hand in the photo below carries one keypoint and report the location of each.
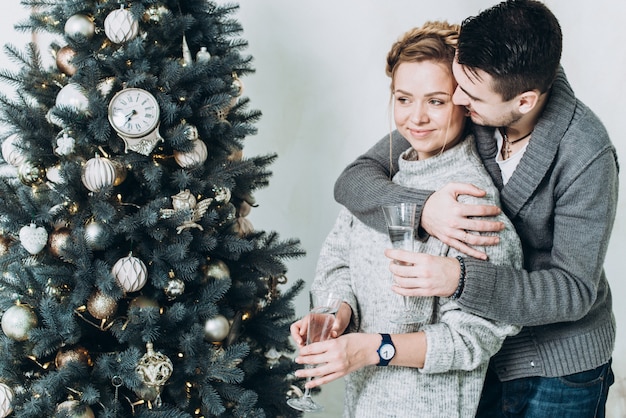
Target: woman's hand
(418, 274)
(342, 319)
(337, 357)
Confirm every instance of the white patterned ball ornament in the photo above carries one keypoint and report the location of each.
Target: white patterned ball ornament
(6, 397)
(130, 273)
(120, 26)
(98, 173)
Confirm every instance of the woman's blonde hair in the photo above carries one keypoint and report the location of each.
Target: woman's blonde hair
(433, 41)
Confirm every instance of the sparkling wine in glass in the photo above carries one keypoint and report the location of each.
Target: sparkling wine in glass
(401, 226)
(320, 322)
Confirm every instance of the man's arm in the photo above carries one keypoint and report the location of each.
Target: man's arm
(365, 185)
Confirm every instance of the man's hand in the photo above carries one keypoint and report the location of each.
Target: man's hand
(445, 218)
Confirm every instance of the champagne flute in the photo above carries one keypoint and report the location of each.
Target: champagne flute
(324, 306)
(401, 226)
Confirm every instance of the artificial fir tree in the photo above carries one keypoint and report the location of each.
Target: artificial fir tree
(133, 284)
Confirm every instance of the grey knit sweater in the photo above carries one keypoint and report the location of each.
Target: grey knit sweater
(459, 344)
(562, 199)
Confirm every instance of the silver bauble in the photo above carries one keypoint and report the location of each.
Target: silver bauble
(174, 288)
(17, 321)
(216, 328)
(72, 95)
(79, 26)
(96, 235)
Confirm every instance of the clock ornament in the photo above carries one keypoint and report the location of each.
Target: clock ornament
(134, 114)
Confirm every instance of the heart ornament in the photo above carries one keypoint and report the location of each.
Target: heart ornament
(33, 238)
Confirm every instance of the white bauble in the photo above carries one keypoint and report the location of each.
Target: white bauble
(79, 25)
(130, 273)
(33, 238)
(98, 173)
(121, 26)
(17, 321)
(196, 156)
(72, 95)
(12, 153)
(6, 397)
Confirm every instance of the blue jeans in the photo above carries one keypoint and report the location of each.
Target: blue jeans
(579, 395)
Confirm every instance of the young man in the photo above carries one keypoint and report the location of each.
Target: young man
(557, 173)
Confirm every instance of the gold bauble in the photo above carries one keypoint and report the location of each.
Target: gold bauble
(58, 241)
(64, 59)
(77, 354)
(31, 173)
(216, 270)
(101, 306)
(75, 409)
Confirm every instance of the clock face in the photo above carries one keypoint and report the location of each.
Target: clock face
(134, 112)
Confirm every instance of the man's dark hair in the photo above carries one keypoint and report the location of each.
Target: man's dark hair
(517, 42)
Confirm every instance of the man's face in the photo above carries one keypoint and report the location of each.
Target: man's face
(485, 106)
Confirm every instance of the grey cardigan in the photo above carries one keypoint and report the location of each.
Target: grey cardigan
(562, 199)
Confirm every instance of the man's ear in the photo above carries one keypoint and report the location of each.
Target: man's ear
(527, 101)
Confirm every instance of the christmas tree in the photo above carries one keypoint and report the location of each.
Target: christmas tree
(132, 282)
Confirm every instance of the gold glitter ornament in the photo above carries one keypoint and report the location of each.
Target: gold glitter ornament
(101, 306)
(76, 354)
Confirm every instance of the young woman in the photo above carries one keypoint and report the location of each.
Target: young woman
(435, 368)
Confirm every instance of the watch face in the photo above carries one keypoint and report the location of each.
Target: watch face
(134, 112)
(387, 351)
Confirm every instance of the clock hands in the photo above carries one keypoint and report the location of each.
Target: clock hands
(130, 115)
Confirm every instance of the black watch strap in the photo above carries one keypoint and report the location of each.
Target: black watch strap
(386, 351)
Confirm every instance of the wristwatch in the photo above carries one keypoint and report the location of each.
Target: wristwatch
(134, 114)
(386, 351)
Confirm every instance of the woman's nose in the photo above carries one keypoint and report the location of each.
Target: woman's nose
(419, 114)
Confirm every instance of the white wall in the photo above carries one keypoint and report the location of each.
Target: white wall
(321, 86)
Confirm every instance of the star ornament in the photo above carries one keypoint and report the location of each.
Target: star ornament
(185, 201)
